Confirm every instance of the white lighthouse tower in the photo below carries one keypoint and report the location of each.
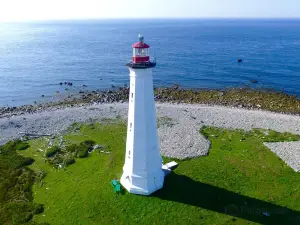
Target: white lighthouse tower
(142, 171)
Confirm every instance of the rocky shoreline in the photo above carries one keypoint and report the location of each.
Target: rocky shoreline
(236, 97)
(178, 124)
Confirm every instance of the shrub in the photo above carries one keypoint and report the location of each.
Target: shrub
(21, 218)
(89, 143)
(27, 161)
(84, 148)
(69, 161)
(14, 161)
(22, 212)
(81, 150)
(58, 160)
(52, 151)
(72, 148)
(82, 153)
(13, 145)
(16, 182)
(22, 146)
(38, 208)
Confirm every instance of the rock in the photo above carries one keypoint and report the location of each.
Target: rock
(176, 86)
(98, 147)
(254, 81)
(240, 60)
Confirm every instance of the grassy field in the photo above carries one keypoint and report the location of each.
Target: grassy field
(237, 183)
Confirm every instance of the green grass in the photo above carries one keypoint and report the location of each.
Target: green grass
(235, 184)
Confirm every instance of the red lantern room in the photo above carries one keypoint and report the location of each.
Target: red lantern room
(140, 51)
(141, 55)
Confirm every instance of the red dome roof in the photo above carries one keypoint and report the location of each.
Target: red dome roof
(140, 45)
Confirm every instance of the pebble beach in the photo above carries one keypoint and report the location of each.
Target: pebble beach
(178, 124)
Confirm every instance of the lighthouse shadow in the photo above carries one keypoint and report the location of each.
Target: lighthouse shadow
(182, 189)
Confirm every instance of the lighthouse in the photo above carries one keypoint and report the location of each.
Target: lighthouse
(142, 171)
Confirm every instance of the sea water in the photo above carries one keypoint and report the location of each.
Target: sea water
(36, 56)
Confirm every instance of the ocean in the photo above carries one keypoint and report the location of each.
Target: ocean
(36, 56)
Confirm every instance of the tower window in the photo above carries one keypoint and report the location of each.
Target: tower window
(131, 95)
(130, 125)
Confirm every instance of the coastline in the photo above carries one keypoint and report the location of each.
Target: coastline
(178, 124)
(244, 98)
(180, 116)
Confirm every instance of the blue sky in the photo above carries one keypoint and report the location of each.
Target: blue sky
(20, 10)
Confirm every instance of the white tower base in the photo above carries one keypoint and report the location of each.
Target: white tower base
(143, 185)
(142, 171)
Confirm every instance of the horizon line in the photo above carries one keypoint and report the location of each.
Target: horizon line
(152, 18)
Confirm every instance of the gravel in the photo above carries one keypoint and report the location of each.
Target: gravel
(179, 131)
(288, 152)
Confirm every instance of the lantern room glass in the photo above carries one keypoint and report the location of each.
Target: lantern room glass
(140, 52)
